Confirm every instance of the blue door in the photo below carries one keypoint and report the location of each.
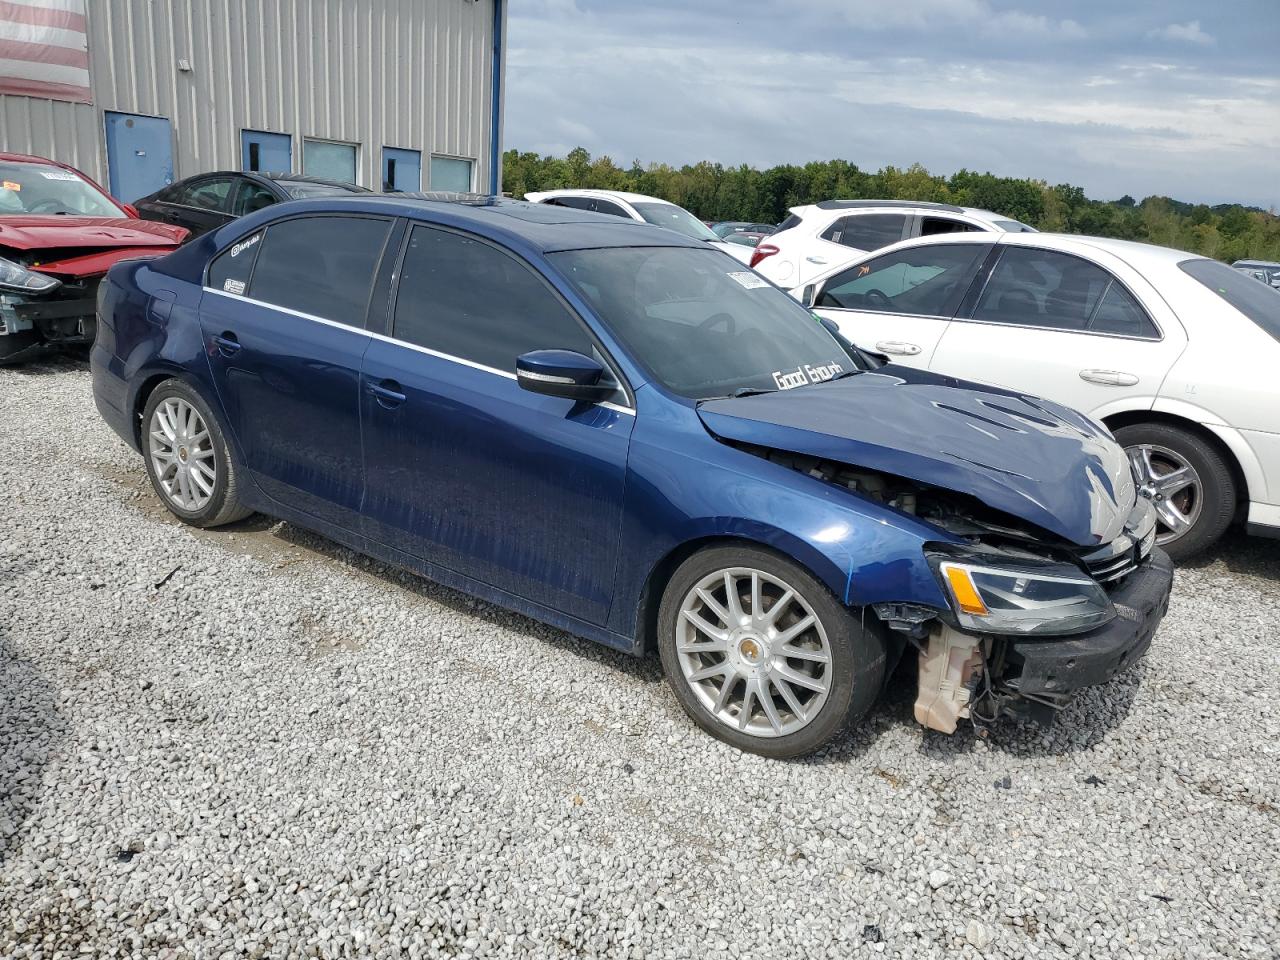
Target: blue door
(139, 154)
(262, 152)
(401, 170)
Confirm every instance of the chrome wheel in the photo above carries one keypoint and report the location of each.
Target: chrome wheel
(1166, 478)
(182, 454)
(753, 652)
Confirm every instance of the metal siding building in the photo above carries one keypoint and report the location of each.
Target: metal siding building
(208, 76)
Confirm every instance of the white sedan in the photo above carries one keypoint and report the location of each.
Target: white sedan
(1177, 354)
(637, 206)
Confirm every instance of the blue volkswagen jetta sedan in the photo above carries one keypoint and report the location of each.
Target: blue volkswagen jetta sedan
(621, 432)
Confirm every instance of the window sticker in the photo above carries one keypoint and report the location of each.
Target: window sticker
(233, 286)
(59, 175)
(11, 185)
(750, 280)
(244, 245)
(805, 374)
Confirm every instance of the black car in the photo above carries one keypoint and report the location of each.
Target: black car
(208, 200)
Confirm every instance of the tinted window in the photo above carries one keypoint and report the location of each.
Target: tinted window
(792, 221)
(604, 206)
(231, 269)
(929, 280)
(470, 300)
(867, 231)
(930, 226)
(252, 196)
(1120, 314)
(702, 327)
(208, 195)
(576, 203)
(1255, 300)
(323, 266)
(1041, 288)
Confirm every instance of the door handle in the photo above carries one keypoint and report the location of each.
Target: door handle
(898, 347)
(226, 343)
(388, 393)
(820, 261)
(1110, 378)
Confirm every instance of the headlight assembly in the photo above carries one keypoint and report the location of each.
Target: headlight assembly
(14, 276)
(1048, 599)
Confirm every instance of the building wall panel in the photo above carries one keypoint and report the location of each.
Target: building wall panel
(400, 73)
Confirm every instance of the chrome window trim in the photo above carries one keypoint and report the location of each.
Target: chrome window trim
(608, 405)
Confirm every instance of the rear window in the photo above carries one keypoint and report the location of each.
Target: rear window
(1254, 299)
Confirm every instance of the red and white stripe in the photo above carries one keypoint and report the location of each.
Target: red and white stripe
(44, 49)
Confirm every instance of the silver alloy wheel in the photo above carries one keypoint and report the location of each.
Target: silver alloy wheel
(1167, 479)
(753, 652)
(182, 454)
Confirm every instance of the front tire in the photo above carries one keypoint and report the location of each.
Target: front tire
(188, 459)
(1189, 481)
(761, 655)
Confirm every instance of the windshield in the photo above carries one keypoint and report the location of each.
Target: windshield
(675, 218)
(1255, 300)
(39, 188)
(702, 324)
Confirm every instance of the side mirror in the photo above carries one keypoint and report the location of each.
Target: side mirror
(833, 328)
(562, 373)
(810, 295)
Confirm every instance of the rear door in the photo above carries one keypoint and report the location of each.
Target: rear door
(283, 318)
(901, 302)
(466, 470)
(1087, 332)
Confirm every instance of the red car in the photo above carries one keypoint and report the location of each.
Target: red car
(59, 233)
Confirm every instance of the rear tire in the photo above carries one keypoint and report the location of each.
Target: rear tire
(799, 683)
(1194, 516)
(188, 458)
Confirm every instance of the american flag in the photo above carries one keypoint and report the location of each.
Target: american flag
(44, 49)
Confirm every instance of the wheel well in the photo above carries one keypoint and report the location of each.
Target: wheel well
(140, 402)
(1131, 417)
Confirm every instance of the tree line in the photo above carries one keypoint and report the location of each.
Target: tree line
(714, 192)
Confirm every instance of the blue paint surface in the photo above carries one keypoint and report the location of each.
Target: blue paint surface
(263, 152)
(139, 154)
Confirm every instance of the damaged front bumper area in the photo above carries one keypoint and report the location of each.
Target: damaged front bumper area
(33, 324)
(983, 677)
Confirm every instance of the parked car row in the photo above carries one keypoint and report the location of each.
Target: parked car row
(618, 430)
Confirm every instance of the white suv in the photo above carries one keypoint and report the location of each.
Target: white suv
(636, 206)
(821, 236)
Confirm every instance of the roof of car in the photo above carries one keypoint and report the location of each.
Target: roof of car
(836, 206)
(1127, 250)
(607, 194)
(541, 227)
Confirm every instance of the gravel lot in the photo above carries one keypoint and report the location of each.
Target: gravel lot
(252, 741)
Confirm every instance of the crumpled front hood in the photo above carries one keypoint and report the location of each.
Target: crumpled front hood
(60, 233)
(1027, 457)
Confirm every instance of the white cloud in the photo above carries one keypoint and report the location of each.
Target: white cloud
(1188, 32)
(924, 15)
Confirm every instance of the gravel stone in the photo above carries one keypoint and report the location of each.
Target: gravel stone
(252, 742)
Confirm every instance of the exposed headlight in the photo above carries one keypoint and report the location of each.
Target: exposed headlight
(14, 276)
(1046, 599)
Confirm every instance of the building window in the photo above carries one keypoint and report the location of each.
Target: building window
(451, 174)
(329, 159)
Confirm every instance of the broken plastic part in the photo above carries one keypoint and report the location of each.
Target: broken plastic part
(949, 665)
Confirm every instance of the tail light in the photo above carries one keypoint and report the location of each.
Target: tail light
(762, 252)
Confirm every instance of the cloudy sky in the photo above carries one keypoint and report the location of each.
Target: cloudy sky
(1176, 97)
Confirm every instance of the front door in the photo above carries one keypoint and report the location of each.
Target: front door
(900, 303)
(283, 319)
(139, 154)
(1089, 335)
(466, 470)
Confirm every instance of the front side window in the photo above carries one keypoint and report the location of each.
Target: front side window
(674, 218)
(701, 327)
(1255, 300)
(467, 299)
(927, 280)
(43, 189)
(1044, 288)
(322, 266)
(867, 231)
